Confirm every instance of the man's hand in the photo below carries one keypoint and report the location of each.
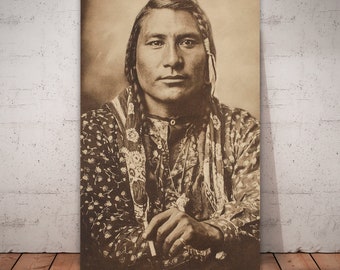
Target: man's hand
(173, 229)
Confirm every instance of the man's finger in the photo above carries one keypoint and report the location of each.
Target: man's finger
(172, 238)
(156, 221)
(178, 244)
(167, 227)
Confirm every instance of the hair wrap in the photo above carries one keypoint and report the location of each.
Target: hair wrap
(211, 66)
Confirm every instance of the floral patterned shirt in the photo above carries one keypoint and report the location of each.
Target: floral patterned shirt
(177, 162)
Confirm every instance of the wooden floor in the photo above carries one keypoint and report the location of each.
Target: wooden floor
(269, 261)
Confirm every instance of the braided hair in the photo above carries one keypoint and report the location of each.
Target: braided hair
(204, 26)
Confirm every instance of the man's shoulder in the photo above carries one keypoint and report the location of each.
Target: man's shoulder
(109, 109)
(236, 114)
(241, 127)
(100, 120)
(98, 114)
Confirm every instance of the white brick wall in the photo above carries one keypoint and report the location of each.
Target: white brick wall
(39, 111)
(300, 125)
(39, 108)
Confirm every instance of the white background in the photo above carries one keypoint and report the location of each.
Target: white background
(39, 125)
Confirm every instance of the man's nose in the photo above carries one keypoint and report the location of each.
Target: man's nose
(172, 57)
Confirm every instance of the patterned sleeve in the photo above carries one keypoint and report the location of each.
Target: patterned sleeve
(111, 237)
(240, 219)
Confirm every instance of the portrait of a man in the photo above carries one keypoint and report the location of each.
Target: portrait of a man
(170, 175)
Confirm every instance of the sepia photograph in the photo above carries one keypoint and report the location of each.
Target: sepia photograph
(130, 134)
(170, 134)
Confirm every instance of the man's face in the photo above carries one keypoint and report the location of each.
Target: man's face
(171, 59)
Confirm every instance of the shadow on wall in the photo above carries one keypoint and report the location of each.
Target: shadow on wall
(271, 230)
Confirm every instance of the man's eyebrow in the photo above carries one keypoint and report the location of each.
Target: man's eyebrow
(194, 35)
(149, 35)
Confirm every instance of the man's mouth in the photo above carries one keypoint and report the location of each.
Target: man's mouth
(173, 78)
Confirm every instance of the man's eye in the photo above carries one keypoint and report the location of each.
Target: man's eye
(188, 43)
(155, 43)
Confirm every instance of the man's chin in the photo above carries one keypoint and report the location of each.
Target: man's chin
(177, 96)
(175, 100)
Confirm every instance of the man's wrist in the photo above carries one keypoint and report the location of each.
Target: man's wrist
(215, 235)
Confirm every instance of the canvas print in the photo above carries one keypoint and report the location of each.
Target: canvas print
(170, 134)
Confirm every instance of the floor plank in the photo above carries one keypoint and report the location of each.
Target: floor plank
(71, 261)
(296, 261)
(327, 261)
(8, 260)
(268, 262)
(66, 262)
(30, 261)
